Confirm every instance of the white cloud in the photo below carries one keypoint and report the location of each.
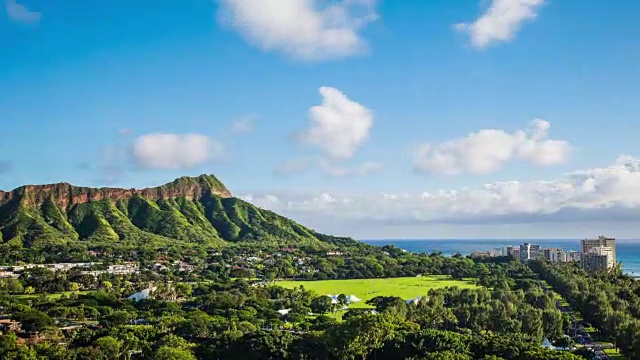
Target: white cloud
(20, 13)
(244, 125)
(302, 29)
(488, 150)
(338, 126)
(501, 22)
(174, 151)
(599, 194)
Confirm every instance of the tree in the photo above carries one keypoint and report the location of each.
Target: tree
(12, 286)
(195, 326)
(383, 303)
(242, 273)
(271, 345)
(564, 342)
(359, 336)
(343, 301)
(110, 346)
(183, 289)
(8, 344)
(168, 353)
(34, 320)
(176, 342)
(321, 304)
(117, 318)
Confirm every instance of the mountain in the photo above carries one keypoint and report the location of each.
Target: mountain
(189, 209)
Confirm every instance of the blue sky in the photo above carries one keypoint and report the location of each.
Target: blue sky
(450, 98)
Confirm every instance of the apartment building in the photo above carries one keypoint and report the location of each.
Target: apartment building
(601, 241)
(529, 252)
(599, 258)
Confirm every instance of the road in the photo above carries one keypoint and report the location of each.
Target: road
(599, 350)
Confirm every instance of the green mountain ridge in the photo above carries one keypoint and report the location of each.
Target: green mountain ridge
(190, 210)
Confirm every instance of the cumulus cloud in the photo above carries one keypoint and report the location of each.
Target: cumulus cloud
(20, 13)
(488, 150)
(174, 151)
(244, 124)
(338, 126)
(599, 194)
(501, 22)
(302, 29)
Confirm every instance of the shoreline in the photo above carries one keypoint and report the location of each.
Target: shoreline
(450, 247)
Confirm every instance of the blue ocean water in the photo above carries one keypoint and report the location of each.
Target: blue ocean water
(627, 251)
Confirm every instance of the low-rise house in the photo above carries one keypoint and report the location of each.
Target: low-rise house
(71, 328)
(9, 274)
(123, 269)
(142, 295)
(10, 325)
(159, 267)
(185, 267)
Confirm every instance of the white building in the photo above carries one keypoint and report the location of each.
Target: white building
(142, 295)
(529, 252)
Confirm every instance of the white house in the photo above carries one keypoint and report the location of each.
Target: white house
(142, 295)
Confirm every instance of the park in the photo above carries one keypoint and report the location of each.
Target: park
(406, 288)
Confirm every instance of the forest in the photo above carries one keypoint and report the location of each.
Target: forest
(507, 317)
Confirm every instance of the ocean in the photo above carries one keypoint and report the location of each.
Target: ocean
(627, 251)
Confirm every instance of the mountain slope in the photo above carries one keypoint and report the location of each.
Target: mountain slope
(193, 210)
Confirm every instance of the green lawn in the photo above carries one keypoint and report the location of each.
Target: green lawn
(614, 354)
(54, 296)
(365, 289)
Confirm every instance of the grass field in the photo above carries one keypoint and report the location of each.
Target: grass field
(365, 289)
(614, 354)
(54, 296)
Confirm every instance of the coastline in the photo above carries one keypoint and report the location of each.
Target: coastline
(628, 249)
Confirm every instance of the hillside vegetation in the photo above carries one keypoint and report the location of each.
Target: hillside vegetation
(190, 210)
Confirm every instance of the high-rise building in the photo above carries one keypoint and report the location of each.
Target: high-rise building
(529, 252)
(496, 252)
(599, 258)
(589, 244)
(572, 256)
(553, 254)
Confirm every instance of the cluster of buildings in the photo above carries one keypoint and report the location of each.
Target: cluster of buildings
(596, 255)
(119, 269)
